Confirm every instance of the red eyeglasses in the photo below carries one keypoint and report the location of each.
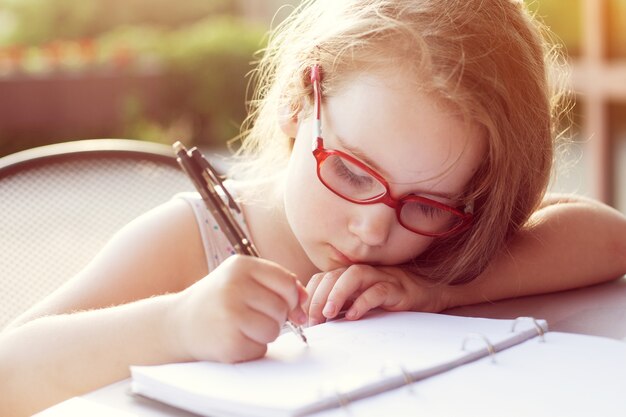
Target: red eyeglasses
(352, 180)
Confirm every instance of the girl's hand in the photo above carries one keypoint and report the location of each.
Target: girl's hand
(360, 288)
(234, 312)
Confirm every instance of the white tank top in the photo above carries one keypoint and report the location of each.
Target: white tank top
(216, 245)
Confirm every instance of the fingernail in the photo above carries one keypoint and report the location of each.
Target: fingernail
(301, 317)
(329, 309)
(352, 313)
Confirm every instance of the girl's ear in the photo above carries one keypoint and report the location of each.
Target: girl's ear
(289, 119)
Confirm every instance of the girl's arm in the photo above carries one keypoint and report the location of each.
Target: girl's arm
(573, 242)
(143, 300)
(57, 357)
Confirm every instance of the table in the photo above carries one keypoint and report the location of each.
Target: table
(598, 310)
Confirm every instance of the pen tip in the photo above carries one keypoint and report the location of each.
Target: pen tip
(302, 335)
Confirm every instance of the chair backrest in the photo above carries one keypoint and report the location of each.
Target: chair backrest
(60, 203)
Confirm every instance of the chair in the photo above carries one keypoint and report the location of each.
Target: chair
(60, 203)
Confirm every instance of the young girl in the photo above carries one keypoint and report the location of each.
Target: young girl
(397, 157)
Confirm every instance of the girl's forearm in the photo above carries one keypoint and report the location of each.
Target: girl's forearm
(571, 244)
(53, 358)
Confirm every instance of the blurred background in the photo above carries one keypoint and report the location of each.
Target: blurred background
(158, 70)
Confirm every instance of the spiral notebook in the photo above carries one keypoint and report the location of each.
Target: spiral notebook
(398, 364)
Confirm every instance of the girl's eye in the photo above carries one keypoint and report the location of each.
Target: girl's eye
(350, 180)
(430, 210)
(423, 210)
(351, 174)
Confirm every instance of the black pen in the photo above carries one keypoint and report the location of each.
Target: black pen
(205, 178)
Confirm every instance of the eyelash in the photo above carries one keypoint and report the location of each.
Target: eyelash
(428, 210)
(345, 172)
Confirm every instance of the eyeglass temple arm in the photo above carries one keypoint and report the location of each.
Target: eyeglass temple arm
(315, 81)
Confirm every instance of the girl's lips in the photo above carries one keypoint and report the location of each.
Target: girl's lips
(342, 258)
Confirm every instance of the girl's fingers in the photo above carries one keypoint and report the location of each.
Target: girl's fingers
(243, 349)
(259, 327)
(266, 302)
(303, 294)
(277, 298)
(318, 298)
(347, 287)
(274, 277)
(311, 287)
(298, 315)
(375, 296)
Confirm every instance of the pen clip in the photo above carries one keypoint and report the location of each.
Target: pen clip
(206, 178)
(215, 177)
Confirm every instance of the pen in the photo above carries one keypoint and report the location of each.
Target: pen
(205, 178)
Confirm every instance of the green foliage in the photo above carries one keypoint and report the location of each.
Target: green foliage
(41, 21)
(212, 57)
(203, 63)
(206, 65)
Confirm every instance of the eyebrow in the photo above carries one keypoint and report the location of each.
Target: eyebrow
(356, 152)
(361, 156)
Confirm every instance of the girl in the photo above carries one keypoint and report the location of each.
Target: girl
(415, 133)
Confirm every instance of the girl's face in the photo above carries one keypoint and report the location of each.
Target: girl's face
(419, 146)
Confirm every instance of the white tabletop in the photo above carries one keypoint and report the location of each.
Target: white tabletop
(598, 310)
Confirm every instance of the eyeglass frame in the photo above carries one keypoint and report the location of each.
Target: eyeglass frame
(321, 153)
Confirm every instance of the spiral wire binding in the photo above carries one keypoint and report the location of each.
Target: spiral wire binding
(408, 379)
(344, 401)
(540, 331)
(483, 338)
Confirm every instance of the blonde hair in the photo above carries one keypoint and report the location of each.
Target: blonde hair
(487, 58)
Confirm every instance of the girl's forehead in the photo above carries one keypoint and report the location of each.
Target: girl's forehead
(409, 136)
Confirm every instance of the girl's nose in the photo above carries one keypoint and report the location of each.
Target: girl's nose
(372, 223)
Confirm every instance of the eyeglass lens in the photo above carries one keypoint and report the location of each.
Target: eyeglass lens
(352, 182)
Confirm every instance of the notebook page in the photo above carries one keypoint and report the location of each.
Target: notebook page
(344, 359)
(567, 375)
